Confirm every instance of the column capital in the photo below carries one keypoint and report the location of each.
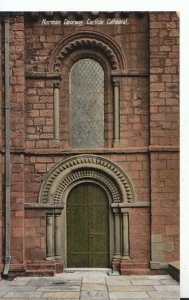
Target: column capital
(116, 82)
(124, 210)
(114, 205)
(58, 211)
(56, 84)
(50, 213)
(116, 210)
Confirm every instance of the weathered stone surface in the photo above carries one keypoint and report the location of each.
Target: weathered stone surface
(144, 57)
(171, 287)
(93, 280)
(138, 288)
(145, 282)
(94, 293)
(129, 295)
(169, 281)
(165, 294)
(23, 295)
(59, 288)
(106, 288)
(93, 287)
(61, 295)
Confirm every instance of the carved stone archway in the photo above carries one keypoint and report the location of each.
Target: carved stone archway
(75, 170)
(87, 40)
(86, 166)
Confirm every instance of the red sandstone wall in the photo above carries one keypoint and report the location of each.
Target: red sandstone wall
(154, 176)
(134, 112)
(164, 131)
(165, 204)
(35, 235)
(136, 167)
(164, 79)
(17, 109)
(134, 120)
(40, 40)
(1, 158)
(1, 213)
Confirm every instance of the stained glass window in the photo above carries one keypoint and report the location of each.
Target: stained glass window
(87, 104)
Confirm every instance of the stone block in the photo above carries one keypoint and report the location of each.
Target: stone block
(129, 295)
(156, 238)
(168, 246)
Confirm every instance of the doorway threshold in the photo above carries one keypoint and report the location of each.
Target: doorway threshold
(92, 271)
(87, 271)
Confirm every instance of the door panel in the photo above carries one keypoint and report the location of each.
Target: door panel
(77, 228)
(87, 227)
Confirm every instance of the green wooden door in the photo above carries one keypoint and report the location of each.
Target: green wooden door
(87, 227)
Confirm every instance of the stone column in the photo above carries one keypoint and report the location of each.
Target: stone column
(125, 233)
(116, 85)
(57, 234)
(117, 235)
(50, 236)
(56, 111)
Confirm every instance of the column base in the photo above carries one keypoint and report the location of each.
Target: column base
(58, 257)
(155, 265)
(50, 258)
(125, 257)
(116, 143)
(116, 264)
(117, 257)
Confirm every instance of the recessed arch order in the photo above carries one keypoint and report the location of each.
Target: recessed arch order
(87, 40)
(81, 167)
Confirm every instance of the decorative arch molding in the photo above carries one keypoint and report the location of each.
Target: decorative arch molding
(81, 167)
(87, 40)
(86, 174)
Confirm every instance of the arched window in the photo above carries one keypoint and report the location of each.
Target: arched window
(87, 104)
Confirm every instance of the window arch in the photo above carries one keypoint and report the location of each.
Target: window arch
(87, 104)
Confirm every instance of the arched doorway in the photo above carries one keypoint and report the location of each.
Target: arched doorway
(115, 187)
(88, 227)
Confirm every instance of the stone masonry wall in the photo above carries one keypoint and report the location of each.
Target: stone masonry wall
(149, 130)
(164, 131)
(1, 157)
(164, 79)
(40, 41)
(17, 124)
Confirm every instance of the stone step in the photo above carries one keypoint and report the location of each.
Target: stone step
(40, 266)
(48, 268)
(39, 272)
(131, 265)
(143, 272)
(174, 270)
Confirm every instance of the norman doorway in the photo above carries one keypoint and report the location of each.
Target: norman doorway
(88, 227)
